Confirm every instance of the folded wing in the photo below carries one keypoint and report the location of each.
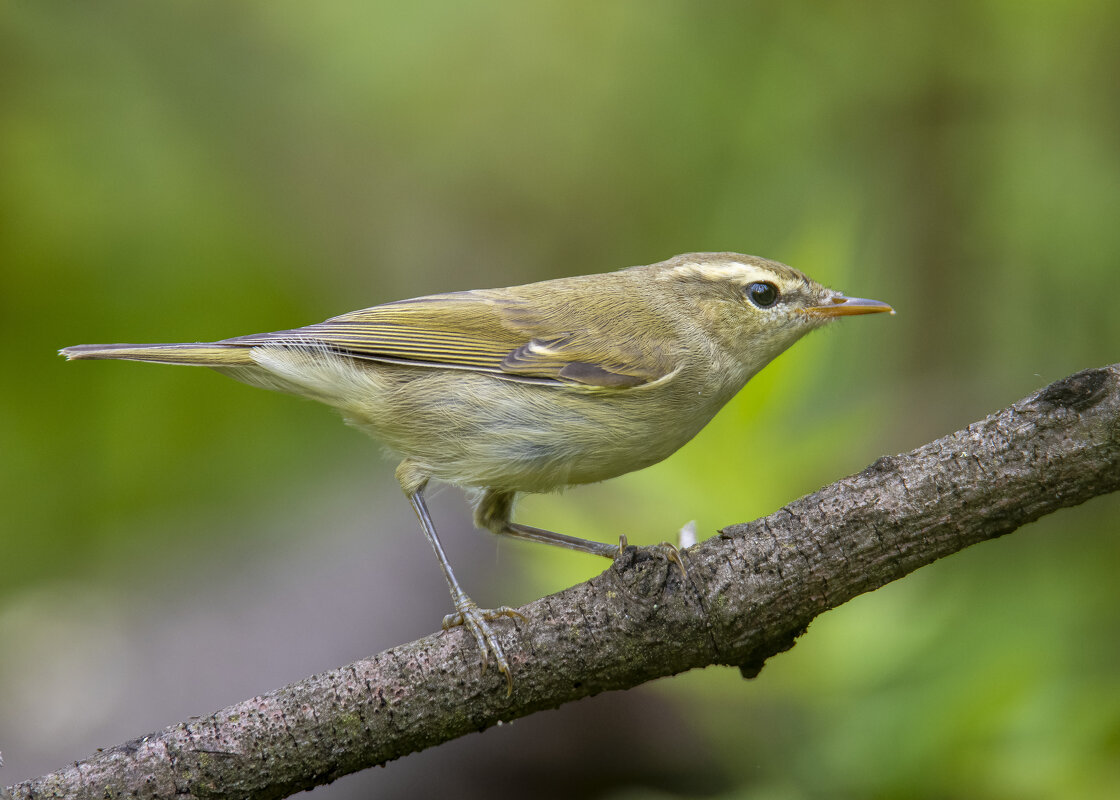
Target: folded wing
(488, 331)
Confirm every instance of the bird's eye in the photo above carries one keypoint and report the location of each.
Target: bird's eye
(762, 294)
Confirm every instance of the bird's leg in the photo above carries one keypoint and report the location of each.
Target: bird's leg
(493, 512)
(467, 613)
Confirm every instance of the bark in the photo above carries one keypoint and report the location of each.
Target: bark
(748, 594)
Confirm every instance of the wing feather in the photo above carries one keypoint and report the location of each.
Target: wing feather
(495, 331)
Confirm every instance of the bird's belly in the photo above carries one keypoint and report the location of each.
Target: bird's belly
(476, 430)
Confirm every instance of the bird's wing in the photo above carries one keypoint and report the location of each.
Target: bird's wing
(485, 331)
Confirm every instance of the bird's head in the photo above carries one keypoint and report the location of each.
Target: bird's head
(751, 308)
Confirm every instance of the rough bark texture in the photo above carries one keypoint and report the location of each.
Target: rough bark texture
(748, 594)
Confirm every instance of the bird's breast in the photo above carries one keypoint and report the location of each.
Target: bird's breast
(479, 430)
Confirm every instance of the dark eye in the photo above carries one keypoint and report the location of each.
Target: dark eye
(763, 295)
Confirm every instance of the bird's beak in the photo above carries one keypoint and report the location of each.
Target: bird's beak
(841, 306)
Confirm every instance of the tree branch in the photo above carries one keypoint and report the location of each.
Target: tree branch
(748, 594)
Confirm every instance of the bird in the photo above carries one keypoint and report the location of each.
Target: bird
(533, 388)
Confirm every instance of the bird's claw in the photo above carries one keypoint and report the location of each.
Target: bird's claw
(622, 544)
(477, 621)
(668, 549)
(674, 555)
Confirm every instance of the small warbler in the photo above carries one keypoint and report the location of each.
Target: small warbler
(537, 387)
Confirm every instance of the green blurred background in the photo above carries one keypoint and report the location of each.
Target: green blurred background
(171, 541)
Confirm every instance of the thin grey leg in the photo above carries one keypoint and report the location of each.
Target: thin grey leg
(493, 512)
(519, 531)
(467, 613)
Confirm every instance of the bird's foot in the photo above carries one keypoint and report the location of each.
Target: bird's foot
(477, 621)
(667, 549)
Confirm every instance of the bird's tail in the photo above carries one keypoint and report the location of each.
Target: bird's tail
(201, 354)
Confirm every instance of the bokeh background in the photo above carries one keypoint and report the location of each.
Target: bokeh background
(172, 542)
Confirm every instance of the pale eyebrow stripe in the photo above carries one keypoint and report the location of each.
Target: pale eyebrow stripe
(731, 270)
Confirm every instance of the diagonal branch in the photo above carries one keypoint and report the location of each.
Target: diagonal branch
(748, 594)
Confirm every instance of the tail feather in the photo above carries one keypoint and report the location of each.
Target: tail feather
(202, 354)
